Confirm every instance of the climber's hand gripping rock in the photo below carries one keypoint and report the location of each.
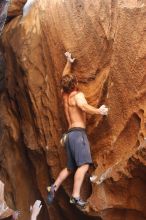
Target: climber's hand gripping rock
(103, 110)
(69, 58)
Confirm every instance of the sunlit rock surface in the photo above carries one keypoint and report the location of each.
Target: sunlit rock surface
(109, 42)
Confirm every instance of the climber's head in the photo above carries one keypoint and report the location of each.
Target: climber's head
(69, 83)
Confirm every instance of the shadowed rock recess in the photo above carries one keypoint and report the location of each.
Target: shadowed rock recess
(108, 39)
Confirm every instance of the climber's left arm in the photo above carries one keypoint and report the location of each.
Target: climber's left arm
(67, 68)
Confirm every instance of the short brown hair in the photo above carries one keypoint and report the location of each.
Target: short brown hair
(68, 83)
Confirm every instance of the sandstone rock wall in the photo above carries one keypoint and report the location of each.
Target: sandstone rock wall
(15, 7)
(107, 37)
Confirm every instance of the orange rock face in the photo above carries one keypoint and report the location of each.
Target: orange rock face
(108, 40)
(15, 7)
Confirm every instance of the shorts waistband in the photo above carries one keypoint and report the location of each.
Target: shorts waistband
(76, 129)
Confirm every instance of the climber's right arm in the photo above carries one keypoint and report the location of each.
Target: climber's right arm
(81, 102)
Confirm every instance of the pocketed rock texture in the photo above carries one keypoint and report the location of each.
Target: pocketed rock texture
(108, 39)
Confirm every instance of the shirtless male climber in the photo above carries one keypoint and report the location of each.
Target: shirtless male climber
(75, 139)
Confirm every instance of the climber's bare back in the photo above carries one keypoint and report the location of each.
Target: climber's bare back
(75, 116)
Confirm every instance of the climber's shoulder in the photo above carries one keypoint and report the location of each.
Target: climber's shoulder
(79, 95)
(74, 94)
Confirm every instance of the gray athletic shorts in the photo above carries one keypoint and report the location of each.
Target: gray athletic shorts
(77, 147)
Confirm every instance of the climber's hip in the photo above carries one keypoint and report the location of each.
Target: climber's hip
(77, 146)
